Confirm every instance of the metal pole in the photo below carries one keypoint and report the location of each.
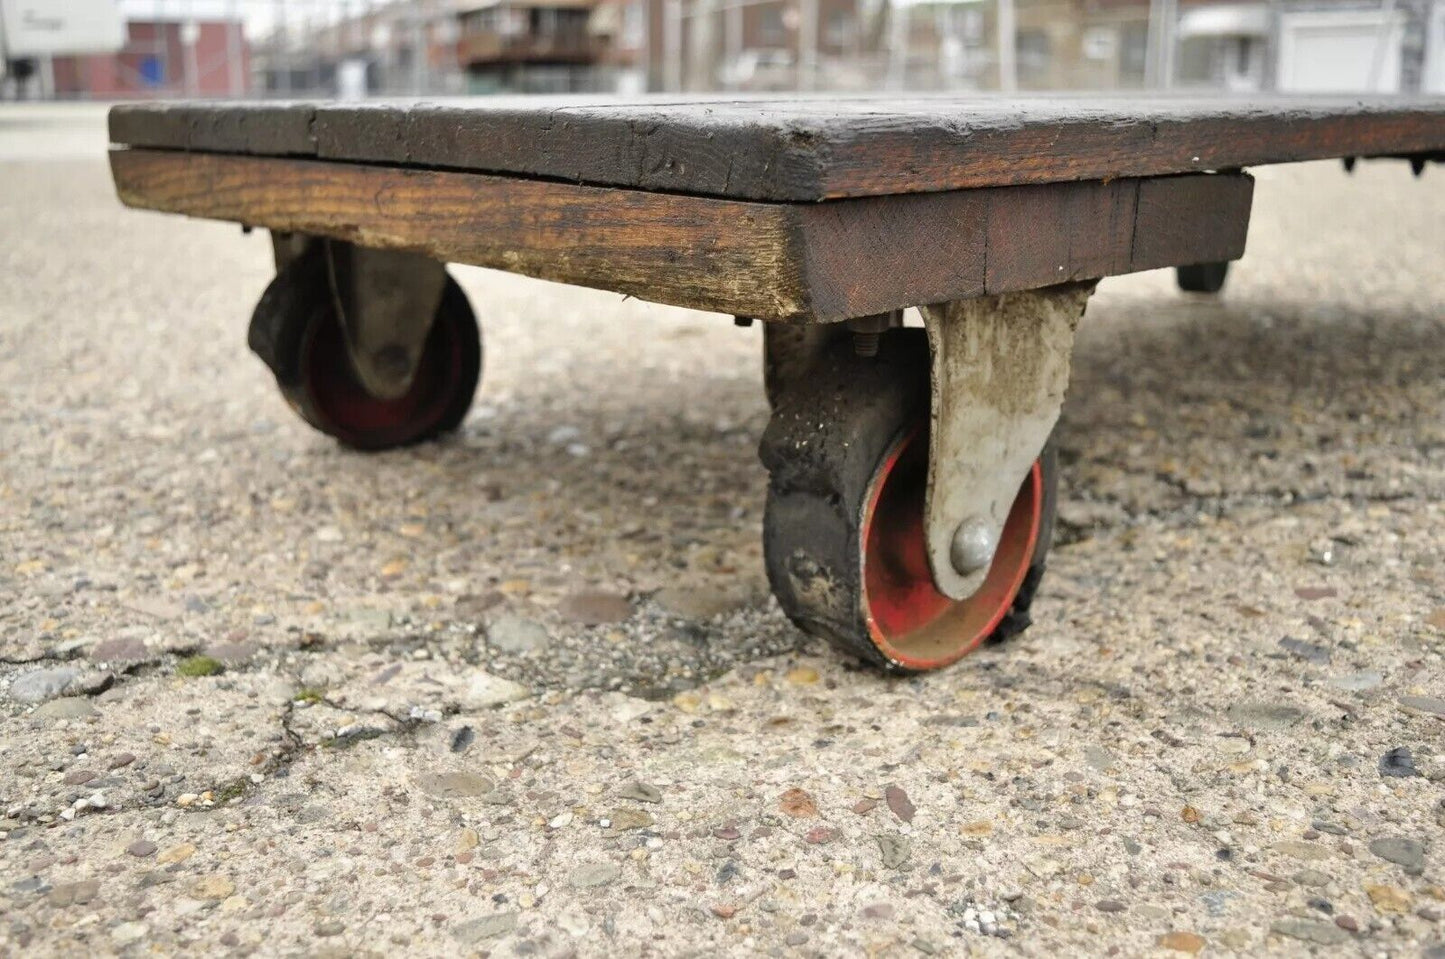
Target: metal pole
(283, 55)
(1166, 44)
(1382, 37)
(672, 45)
(808, 44)
(733, 40)
(1159, 54)
(897, 44)
(234, 51)
(418, 52)
(647, 31)
(701, 47)
(1008, 70)
(188, 63)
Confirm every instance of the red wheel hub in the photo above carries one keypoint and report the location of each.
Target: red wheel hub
(913, 623)
(356, 417)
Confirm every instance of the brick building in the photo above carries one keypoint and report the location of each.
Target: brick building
(162, 59)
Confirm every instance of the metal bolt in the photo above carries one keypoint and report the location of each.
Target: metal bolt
(866, 344)
(392, 361)
(868, 330)
(973, 546)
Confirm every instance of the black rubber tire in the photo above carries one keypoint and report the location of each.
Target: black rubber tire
(1202, 277)
(828, 437)
(294, 328)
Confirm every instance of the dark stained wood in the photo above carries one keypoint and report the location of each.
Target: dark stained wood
(1084, 233)
(1202, 214)
(894, 252)
(801, 149)
(775, 261)
(270, 129)
(689, 251)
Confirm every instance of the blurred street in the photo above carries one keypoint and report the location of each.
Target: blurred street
(524, 692)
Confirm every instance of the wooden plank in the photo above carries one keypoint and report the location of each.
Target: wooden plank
(873, 255)
(1079, 233)
(801, 149)
(688, 251)
(581, 146)
(806, 261)
(271, 129)
(1202, 218)
(166, 125)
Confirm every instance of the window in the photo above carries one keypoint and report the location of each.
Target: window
(1133, 52)
(1033, 50)
(774, 34)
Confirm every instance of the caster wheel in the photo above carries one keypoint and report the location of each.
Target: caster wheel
(1202, 277)
(847, 455)
(296, 332)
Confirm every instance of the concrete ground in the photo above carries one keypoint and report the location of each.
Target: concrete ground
(524, 692)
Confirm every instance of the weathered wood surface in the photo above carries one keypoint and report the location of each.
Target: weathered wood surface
(775, 261)
(801, 149)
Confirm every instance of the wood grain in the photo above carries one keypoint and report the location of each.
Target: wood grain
(1192, 213)
(687, 251)
(800, 149)
(1085, 233)
(775, 261)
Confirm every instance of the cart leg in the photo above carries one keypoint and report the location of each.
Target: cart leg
(911, 492)
(377, 348)
(1202, 277)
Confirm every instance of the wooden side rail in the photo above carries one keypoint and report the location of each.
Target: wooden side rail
(773, 261)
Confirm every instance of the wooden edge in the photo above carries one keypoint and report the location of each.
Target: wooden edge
(1084, 150)
(800, 156)
(774, 261)
(707, 254)
(876, 254)
(272, 129)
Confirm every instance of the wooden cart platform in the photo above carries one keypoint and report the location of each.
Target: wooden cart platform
(912, 473)
(776, 209)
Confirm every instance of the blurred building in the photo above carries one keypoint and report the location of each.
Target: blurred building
(1306, 46)
(759, 45)
(360, 48)
(402, 48)
(159, 59)
(847, 45)
(529, 46)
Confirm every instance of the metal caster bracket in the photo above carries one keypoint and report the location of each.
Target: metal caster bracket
(386, 300)
(1000, 366)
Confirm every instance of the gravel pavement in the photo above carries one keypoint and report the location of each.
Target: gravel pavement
(524, 692)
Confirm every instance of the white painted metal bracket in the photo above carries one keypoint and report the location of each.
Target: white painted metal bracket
(387, 300)
(1000, 366)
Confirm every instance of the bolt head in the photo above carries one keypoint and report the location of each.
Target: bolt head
(973, 546)
(392, 361)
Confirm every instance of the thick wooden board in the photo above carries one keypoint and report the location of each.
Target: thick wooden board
(775, 261)
(684, 250)
(801, 149)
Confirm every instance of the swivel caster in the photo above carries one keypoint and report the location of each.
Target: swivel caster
(1202, 277)
(430, 374)
(844, 537)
